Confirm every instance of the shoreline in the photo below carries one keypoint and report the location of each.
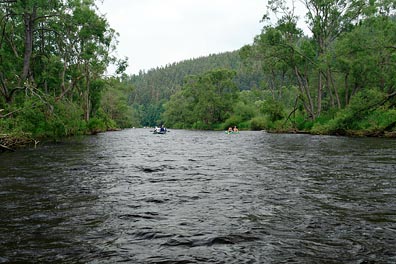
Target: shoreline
(12, 143)
(341, 133)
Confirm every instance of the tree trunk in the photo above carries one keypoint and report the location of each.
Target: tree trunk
(346, 89)
(330, 87)
(304, 89)
(319, 99)
(337, 96)
(87, 101)
(28, 19)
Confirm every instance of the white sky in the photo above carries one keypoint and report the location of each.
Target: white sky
(154, 33)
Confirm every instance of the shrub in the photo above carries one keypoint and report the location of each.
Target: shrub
(96, 125)
(259, 123)
(232, 121)
(273, 109)
(245, 125)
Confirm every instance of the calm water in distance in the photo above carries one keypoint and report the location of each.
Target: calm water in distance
(200, 197)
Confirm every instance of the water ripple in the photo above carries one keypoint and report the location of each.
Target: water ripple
(200, 197)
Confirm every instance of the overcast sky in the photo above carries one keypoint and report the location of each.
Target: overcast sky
(154, 33)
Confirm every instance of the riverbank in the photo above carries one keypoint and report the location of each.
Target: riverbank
(12, 142)
(346, 133)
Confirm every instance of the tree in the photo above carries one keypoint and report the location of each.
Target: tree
(56, 52)
(327, 20)
(204, 100)
(114, 104)
(366, 57)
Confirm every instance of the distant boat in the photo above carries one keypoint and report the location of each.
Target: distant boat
(160, 130)
(231, 132)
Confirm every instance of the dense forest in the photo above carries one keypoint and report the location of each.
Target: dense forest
(152, 89)
(53, 56)
(336, 77)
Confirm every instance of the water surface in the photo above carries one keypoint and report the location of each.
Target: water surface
(200, 197)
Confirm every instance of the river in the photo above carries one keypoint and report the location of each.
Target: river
(200, 197)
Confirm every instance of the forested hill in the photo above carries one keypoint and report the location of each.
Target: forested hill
(160, 83)
(339, 81)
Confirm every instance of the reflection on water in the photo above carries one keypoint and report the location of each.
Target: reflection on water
(200, 197)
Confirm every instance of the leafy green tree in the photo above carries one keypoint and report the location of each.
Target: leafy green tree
(208, 99)
(366, 57)
(177, 112)
(52, 53)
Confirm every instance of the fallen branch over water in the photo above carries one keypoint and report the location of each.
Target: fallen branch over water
(12, 142)
(2, 147)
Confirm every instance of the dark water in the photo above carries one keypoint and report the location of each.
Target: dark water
(200, 197)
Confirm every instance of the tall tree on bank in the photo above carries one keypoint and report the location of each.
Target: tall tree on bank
(41, 39)
(53, 52)
(310, 60)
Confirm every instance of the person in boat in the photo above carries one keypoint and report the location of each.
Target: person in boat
(229, 130)
(162, 129)
(235, 130)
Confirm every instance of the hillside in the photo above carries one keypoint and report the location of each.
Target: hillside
(151, 89)
(160, 83)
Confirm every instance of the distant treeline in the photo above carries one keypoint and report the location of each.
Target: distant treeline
(153, 88)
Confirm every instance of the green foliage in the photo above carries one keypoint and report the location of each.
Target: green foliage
(204, 101)
(160, 84)
(65, 120)
(51, 75)
(365, 57)
(31, 118)
(323, 83)
(303, 123)
(366, 112)
(232, 121)
(274, 110)
(96, 125)
(114, 106)
(150, 115)
(177, 112)
(41, 119)
(259, 123)
(244, 111)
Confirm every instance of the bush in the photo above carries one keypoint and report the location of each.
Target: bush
(46, 119)
(245, 125)
(232, 121)
(259, 123)
(382, 118)
(244, 111)
(31, 118)
(66, 120)
(96, 125)
(273, 109)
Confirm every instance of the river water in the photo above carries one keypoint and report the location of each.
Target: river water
(200, 197)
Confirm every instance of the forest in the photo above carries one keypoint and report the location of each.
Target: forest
(338, 76)
(53, 59)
